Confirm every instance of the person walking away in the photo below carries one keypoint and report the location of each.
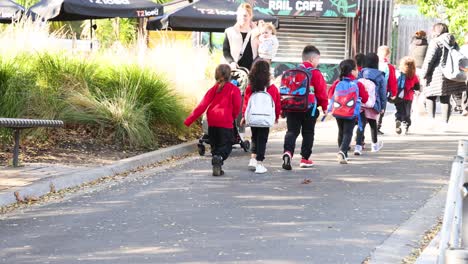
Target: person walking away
(239, 46)
(464, 51)
(390, 76)
(417, 50)
(369, 115)
(437, 86)
(408, 83)
(360, 60)
(268, 43)
(259, 78)
(346, 96)
(222, 104)
(304, 122)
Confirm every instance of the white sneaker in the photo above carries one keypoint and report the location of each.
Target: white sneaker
(252, 164)
(342, 158)
(260, 169)
(358, 150)
(377, 146)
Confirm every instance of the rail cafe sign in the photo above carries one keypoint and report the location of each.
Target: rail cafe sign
(324, 8)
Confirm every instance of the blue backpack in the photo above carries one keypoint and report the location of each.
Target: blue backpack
(346, 103)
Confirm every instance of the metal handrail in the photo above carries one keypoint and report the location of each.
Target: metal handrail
(452, 233)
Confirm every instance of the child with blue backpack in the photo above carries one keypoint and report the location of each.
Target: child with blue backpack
(346, 96)
(408, 82)
(371, 72)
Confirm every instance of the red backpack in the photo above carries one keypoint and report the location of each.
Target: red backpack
(296, 93)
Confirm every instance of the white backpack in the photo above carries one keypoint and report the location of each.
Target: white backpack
(452, 67)
(260, 110)
(370, 88)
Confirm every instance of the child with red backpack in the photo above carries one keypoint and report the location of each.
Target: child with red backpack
(222, 105)
(346, 96)
(408, 82)
(302, 90)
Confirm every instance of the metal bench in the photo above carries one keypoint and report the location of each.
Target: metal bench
(18, 124)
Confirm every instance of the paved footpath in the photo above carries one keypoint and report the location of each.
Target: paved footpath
(181, 214)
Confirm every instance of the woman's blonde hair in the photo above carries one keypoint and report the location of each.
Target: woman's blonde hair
(408, 66)
(222, 75)
(270, 26)
(247, 7)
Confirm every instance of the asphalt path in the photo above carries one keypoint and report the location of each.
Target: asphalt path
(181, 214)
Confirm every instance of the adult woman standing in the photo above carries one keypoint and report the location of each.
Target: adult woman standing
(418, 48)
(240, 46)
(417, 51)
(436, 84)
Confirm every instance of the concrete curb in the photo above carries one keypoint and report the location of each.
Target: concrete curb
(63, 181)
(406, 237)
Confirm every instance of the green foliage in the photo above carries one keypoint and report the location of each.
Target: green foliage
(109, 31)
(455, 12)
(123, 102)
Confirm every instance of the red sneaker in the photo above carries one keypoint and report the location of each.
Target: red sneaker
(305, 163)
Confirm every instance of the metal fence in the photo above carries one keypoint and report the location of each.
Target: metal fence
(404, 29)
(375, 24)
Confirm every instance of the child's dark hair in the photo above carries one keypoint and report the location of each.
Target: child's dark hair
(222, 75)
(372, 61)
(360, 59)
(309, 52)
(346, 67)
(259, 76)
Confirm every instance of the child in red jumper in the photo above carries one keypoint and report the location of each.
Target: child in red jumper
(411, 84)
(259, 78)
(222, 105)
(348, 72)
(304, 122)
(390, 75)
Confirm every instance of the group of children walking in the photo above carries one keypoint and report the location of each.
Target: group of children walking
(357, 98)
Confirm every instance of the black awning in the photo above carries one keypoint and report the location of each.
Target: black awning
(204, 15)
(9, 10)
(68, 10)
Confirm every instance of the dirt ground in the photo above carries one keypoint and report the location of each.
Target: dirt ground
(79, 146)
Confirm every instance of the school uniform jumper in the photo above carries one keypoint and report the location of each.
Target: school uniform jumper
(346, 126)
(260, 134)
(221, 109)
(403, 108)
(392, 87)
(304, 122)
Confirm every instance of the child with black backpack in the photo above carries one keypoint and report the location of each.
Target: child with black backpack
(346, 96)
(299, 101)
(222, 105)
(408, 82)
(261, 109)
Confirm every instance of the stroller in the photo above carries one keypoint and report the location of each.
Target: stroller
(240, 78)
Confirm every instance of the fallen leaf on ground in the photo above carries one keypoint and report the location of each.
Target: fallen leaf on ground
(306, 181)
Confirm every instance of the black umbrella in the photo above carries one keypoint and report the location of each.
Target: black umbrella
(9, 10)
(204, 15)
(68, 10)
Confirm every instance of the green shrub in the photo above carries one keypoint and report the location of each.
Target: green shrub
(122, 102)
